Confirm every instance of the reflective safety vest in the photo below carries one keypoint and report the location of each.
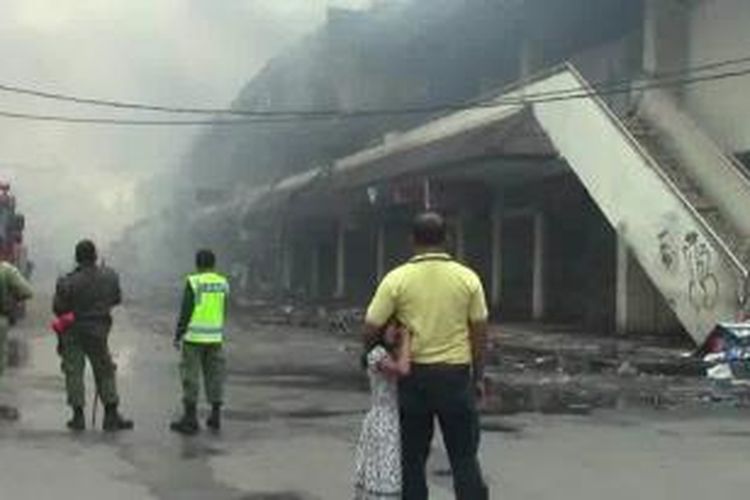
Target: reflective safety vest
(210, 292)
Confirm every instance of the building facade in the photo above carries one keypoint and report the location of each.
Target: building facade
(598, 183)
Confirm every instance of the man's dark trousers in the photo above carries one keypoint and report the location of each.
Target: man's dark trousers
(445, 392)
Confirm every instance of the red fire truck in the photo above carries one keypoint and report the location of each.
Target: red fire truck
(12, 224)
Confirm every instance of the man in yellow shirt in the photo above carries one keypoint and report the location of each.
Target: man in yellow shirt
(442, 304)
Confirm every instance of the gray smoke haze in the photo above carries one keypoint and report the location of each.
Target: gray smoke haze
(78, 180)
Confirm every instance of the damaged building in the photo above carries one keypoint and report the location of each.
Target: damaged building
(588, 157)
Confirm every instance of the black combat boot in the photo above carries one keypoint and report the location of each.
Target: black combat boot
(214, 420)
(113, 421)
(188, 424)
(78, 422)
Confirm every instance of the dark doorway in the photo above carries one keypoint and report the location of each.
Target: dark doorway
(478, 245)
(580, 263)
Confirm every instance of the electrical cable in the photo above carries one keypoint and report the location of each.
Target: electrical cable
(135, 106)
(302, 116)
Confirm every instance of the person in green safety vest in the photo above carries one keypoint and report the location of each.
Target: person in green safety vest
(200, 338)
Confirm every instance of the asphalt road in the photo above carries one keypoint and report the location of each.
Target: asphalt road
(295, 400)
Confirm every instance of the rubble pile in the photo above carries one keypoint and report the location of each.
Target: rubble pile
(552, 370)
(574, 373)
(333, 318)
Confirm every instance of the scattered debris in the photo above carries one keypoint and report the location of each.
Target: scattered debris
(292, 311)
(726, 352)
(564, 372)
(558, 371)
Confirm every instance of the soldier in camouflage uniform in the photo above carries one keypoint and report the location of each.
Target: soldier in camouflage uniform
(89, 292)
(13, 289)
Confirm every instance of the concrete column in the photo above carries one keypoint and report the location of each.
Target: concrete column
(340, 260)
(538, 278)
(460, 238)
(380, 251)
(497, 256)
(665, 35)
(315, 271)
(427, 194)
(287, 260)
(531, 59)
(622, 323)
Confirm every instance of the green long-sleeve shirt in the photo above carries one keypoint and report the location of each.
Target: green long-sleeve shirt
(13, 288)
(186, 312)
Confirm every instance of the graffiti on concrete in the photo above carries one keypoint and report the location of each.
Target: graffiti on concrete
(703, 287)
(669, 252)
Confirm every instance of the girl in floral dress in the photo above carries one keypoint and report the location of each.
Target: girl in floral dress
(378, 456)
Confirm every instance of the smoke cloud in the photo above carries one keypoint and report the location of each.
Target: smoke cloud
(79, 180)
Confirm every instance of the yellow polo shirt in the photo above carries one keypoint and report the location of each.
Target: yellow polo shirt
(434, 297)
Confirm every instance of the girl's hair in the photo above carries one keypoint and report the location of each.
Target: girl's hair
(376, 341)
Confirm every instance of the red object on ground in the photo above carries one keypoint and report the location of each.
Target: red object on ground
(61, 323)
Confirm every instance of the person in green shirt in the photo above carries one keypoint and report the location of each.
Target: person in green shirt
(14, 288)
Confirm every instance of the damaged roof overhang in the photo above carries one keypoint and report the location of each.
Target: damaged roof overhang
(461, 138)
(473, 135)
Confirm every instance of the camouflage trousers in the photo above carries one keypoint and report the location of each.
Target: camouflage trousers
(7, 412)
(208, 359)
(75, 348)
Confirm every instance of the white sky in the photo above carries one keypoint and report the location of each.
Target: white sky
(179, 52)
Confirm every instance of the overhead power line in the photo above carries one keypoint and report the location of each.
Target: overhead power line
(323, 113)
(303, 116)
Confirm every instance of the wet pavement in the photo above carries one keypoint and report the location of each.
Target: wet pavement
(295, 400)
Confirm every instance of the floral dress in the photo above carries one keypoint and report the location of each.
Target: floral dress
(378, 456)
